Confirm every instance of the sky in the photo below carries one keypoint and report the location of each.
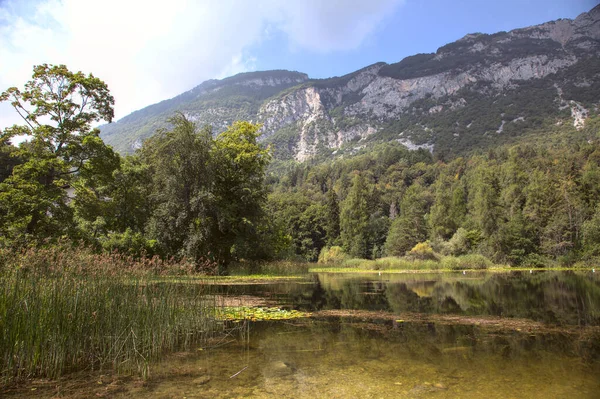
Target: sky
(148, 51)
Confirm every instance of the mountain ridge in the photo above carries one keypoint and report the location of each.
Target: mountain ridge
(458, 97)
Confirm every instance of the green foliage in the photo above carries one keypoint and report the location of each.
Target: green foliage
(354, 219)
(523, 205)
(207, 194)
(422, 251)
(591, 235)
(128, 242)
(410, 227)
(58, 108)
(332, 255)
(332, 224)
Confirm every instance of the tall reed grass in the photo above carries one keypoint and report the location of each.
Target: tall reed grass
(469, 262)
(65, 309)
(273, 268)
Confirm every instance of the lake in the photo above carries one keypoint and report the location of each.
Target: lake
(439, 335)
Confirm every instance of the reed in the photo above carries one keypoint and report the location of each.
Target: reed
(76, 310)
(464, 262)
(272, 268)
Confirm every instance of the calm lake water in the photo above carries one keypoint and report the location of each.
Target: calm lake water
(491, 335)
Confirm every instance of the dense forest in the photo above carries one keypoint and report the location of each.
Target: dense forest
(188, 194)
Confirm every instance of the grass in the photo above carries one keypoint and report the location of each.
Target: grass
(444, 263)
(65, 309)
(399, 264)
(269, 269)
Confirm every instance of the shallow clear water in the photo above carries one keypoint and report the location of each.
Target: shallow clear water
(364, 360)
(376, 354)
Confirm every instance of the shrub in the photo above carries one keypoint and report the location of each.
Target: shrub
(475, 261)
(422, 251)
(130, 243)
(333, 254)
(451, 262)
(535, 261)
(460, 243)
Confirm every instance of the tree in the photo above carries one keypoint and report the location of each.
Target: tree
(485, 209)
(58, 107)
(239, 164)
(8, 160)
(354, 219)
(591, 235)
(332, 218)
(182, 200)
(410, 227)
(208, 194)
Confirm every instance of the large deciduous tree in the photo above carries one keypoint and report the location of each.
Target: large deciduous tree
(58, 108)
(208, 194)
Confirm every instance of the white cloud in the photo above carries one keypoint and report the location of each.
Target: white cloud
(332, 25)
(147, 51)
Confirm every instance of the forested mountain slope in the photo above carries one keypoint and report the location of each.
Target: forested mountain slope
(479, 91)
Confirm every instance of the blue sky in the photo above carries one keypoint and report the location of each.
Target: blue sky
(151, 50)
(417, 27)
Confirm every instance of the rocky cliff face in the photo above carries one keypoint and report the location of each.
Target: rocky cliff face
(470, 92)
(426, 88)
(215, 102)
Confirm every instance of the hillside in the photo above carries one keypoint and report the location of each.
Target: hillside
(478, 91)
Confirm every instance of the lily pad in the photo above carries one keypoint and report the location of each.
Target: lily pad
(258, 313)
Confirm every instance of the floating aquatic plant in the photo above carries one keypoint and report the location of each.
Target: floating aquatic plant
(258, 313)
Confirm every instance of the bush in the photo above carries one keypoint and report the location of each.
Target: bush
(475, 261)
(451, 262)
(460, 243)
(422, 251)
(535, 261)
(130, 243)
(333, 254)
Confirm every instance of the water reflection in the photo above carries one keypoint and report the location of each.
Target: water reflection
(373, 357)
(569, 298)
(559, 298)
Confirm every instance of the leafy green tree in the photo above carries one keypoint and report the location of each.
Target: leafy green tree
(441, 220)
(332, 223)
(485, 210)
(58, 107)
(130, 193)
(207, 194)
(354, 219)
(410, 227)
(591, 235)
(239, 165)
(8, 159)
(181, 199)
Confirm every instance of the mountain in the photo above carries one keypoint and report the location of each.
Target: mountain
(478, 91)
(214, 102)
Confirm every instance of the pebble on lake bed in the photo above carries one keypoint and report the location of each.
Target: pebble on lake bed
(205, 379)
